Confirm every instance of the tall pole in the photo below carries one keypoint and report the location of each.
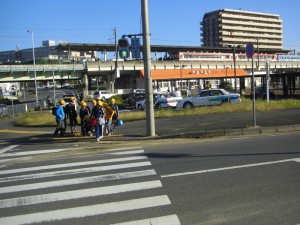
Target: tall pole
(54, 95)
(117, 72)
(33, 56)
(257, 53)
(267, 79)
(234, 68)
(253, 96)
(147, 70)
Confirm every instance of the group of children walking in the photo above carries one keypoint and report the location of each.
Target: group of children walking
(101, 117)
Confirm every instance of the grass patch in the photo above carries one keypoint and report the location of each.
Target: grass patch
(36, 119)
(40, 119)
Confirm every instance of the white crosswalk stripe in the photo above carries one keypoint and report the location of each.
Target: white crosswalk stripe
(67, 187)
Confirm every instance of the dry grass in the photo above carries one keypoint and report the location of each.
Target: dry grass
(47, 119)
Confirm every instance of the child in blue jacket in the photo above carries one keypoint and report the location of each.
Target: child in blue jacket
(60, 116)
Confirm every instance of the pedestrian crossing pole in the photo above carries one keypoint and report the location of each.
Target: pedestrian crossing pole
(147, 71)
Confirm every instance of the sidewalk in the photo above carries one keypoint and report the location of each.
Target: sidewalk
(197, 126)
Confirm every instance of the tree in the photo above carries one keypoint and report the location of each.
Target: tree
(226, 85)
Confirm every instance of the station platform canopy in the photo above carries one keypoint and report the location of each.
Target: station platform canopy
(157, 48)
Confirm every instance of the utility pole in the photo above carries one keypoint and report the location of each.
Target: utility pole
(116, 47)
(116, 74)
(257, 52)
(234, 68)
(147, 70)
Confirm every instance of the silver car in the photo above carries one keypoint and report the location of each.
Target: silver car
(3, 110)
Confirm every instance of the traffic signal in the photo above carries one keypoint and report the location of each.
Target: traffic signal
(123, 48)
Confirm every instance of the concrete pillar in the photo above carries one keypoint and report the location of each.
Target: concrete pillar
(85, 83)
(109, 79)
(242, 85)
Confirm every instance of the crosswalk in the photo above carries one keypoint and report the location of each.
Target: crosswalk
(118, 187)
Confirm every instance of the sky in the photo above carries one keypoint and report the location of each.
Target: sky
(171, 22)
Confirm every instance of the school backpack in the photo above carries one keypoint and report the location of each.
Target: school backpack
(54, 111)
(70, 109)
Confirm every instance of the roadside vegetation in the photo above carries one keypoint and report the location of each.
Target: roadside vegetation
(45, 118)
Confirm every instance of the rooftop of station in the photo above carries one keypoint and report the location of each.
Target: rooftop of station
(160, 48)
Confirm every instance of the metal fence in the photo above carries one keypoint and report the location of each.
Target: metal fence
(15, 109)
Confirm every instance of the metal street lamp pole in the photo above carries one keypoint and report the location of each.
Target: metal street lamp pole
(234, 68)
(257, 53)
(35, 84)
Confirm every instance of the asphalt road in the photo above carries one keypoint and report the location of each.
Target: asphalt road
(243, 180)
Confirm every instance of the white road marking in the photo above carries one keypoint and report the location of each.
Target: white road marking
(230, 168)
(163, 220)
(122, 149)
(11, 159)
(76, 194)
(91, 179)
(74, 171)
(13, 154)
(72, 164)
(297, 160)
(7, 148)
(85, 211)
(126, 153)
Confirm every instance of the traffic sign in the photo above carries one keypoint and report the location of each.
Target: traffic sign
(123, 48)
(249, 50)
(124, 53)
(135, 48)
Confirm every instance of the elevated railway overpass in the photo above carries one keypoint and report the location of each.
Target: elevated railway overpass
(130, 73)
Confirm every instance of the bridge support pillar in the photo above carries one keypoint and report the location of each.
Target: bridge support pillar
(242, 85)
(85, 85)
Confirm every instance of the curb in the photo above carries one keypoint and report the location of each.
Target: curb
(217, 133)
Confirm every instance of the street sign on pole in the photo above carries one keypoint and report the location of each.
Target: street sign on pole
(135, 48)
(249, 50)
(249, 54)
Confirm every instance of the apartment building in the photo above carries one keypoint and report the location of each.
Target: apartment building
(226, 27)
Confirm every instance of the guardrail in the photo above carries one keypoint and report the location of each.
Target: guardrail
(30, 68)
(138, 65)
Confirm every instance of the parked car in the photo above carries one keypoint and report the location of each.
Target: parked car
(209, 97)
(132, 98)
(140, 91)
(3, 110)
(261, 92)
(68, 95)
(160, 100)
(103, 95)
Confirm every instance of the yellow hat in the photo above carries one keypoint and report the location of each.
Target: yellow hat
(112, 100)
(98, 99)
(72, 99)
(83, 103)
(99, 103)
(62, 102)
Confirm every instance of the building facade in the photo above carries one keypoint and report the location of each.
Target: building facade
(226, 27)
(45, 54)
